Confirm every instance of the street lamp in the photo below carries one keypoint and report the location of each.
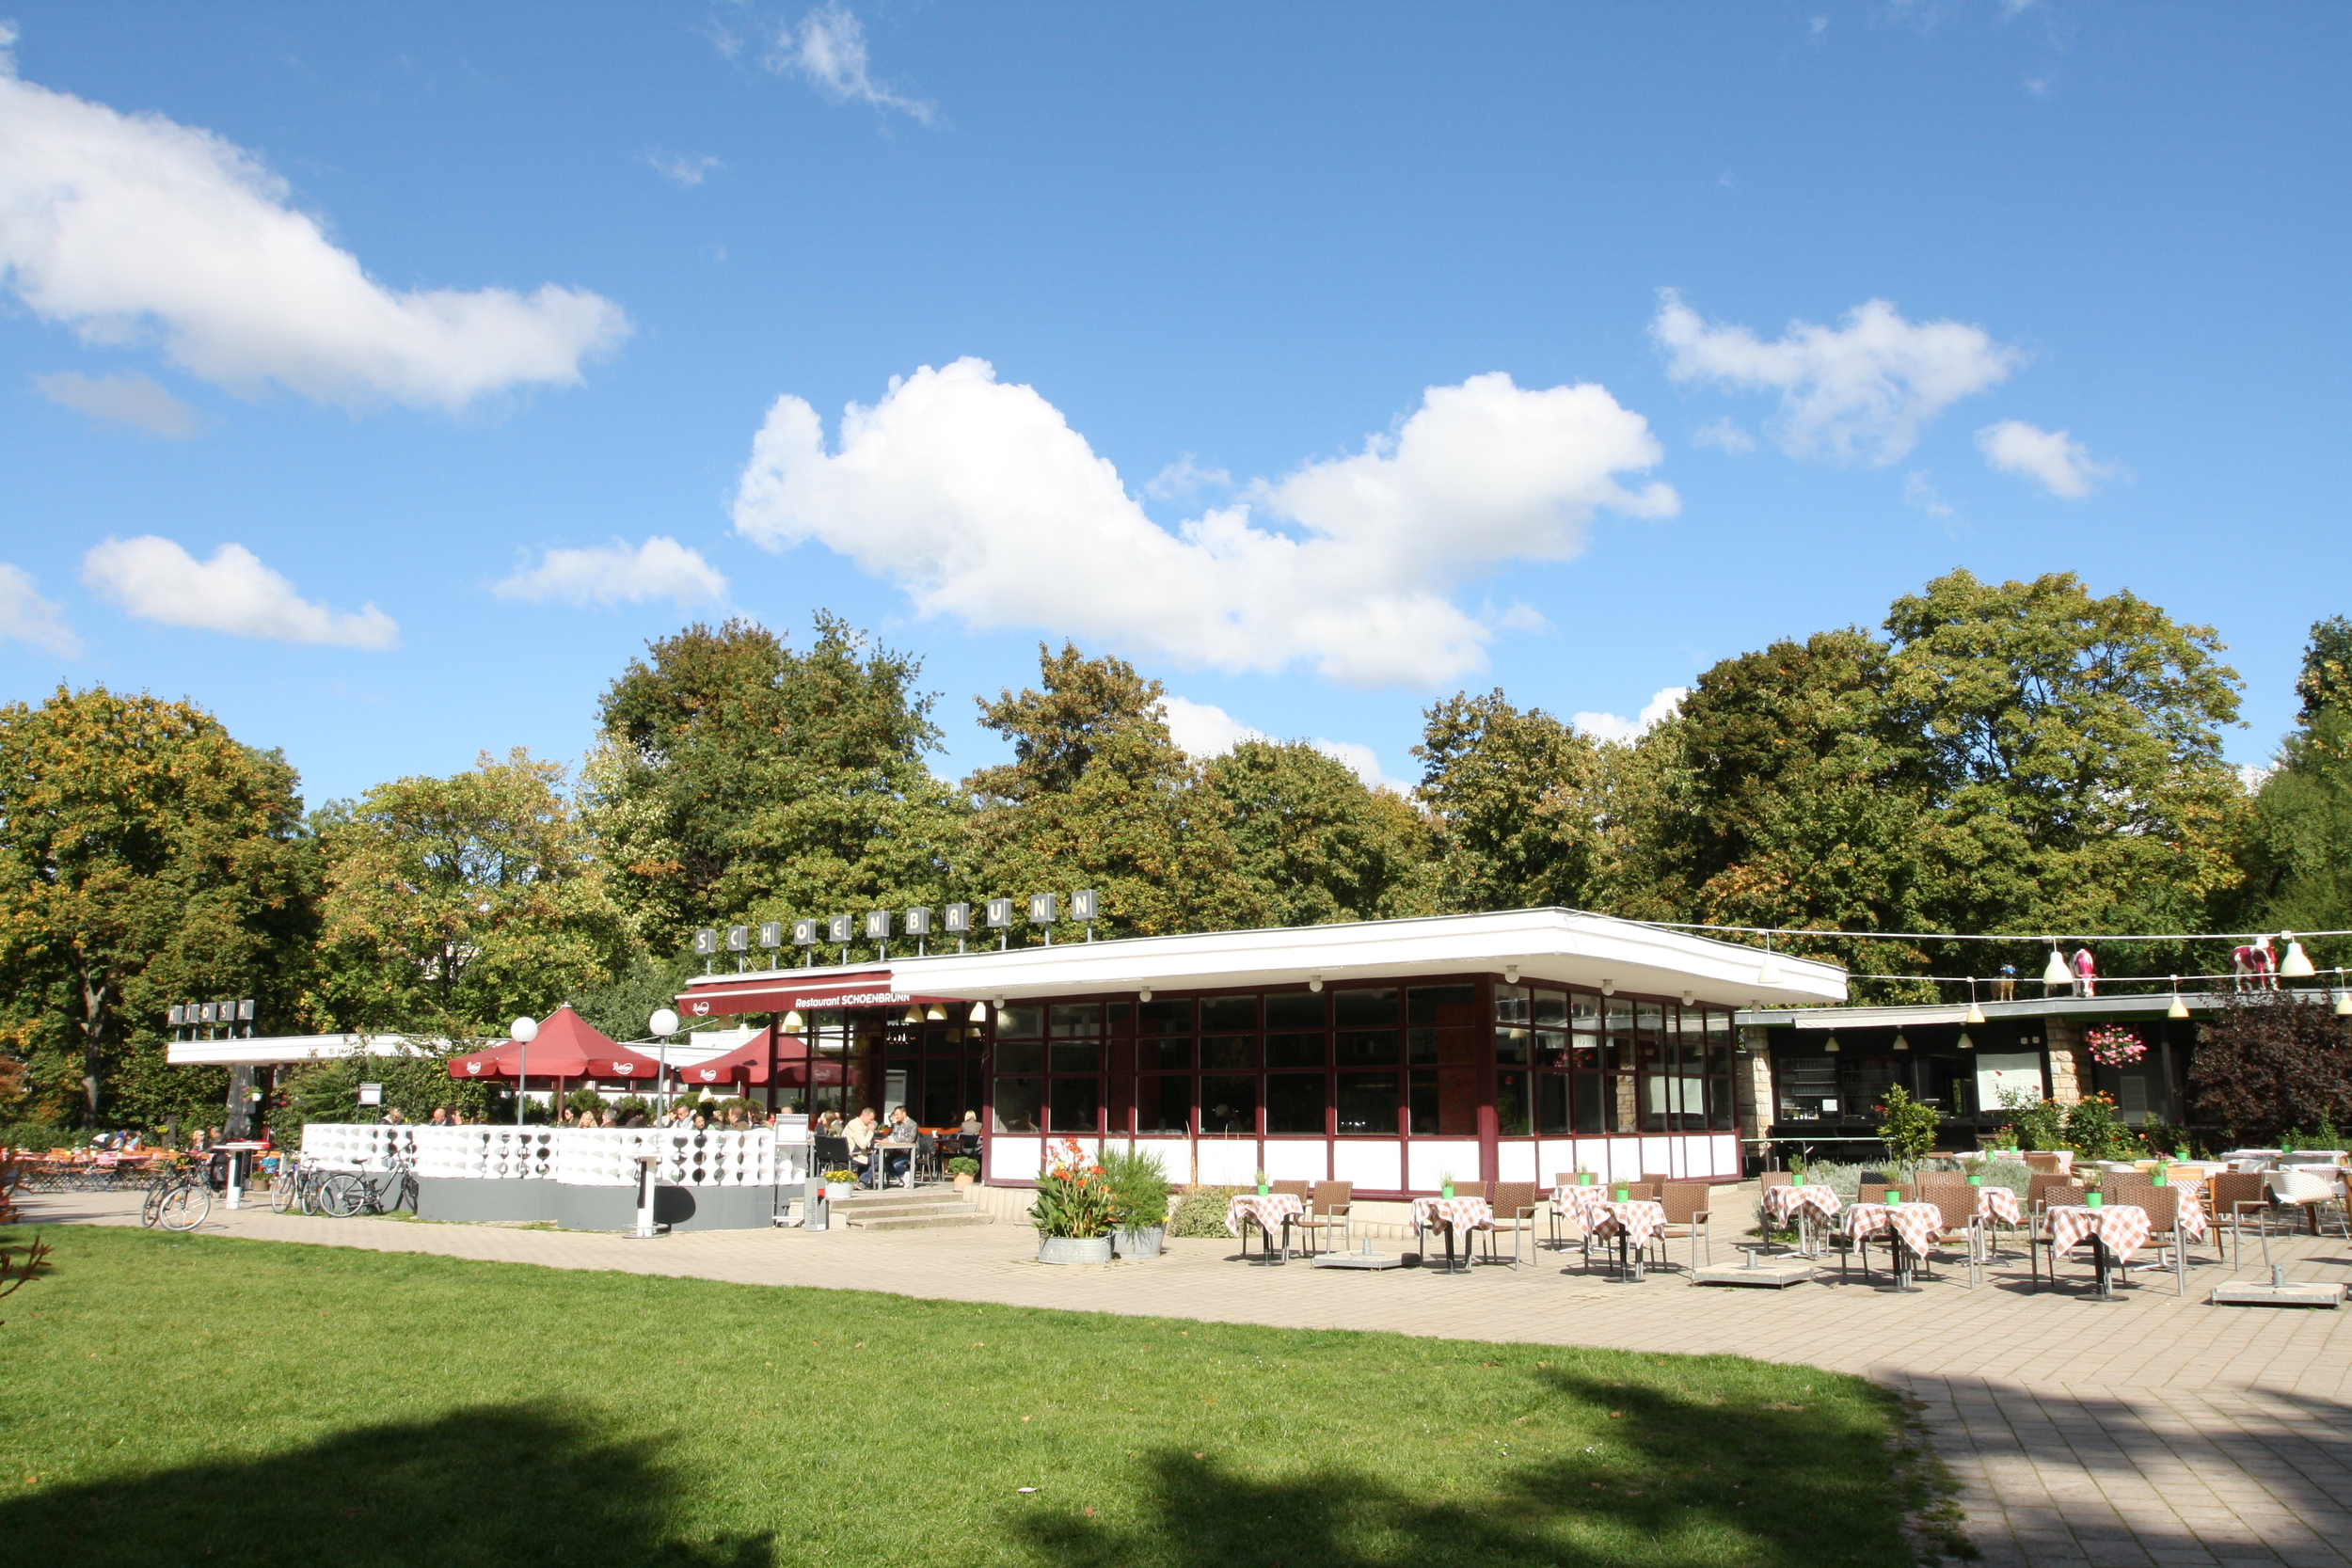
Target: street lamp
(525, 1030)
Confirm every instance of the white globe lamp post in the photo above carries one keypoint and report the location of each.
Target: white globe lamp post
(524, 1030)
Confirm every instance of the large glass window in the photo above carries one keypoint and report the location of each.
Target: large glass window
(1294, 1103)
(1294, 1051)
(1220, 1014)
(1019, 1056)
(1077, 1056)
(1164, 1106)
(1229, 1052)
(1511, 1004)
(1552, 1104)
(1366, 1047)
(1365, 1007)
(1076, 1020)
(1018, 1102)
(1367, 1103)
(1076, 1105)
(1511, 1105)
(1164, 1018)
(1164, 1055)
(1294, 1010)
(1019, 1021)
(1228, 1106)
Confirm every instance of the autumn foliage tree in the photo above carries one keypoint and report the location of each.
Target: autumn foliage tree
(146, 857)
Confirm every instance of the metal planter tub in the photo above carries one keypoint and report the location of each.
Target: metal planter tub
(1073, 1249)
(1141, 1242)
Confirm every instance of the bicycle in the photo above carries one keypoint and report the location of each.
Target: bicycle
(297, 1187)
(347, 1194)
(180, 1202)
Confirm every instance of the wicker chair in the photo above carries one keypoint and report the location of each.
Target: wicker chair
(1326, 1211)
(2229, 1199)
(1685, 1203)
(2043, 1162)
(2064, 1195)
(1515, 1205)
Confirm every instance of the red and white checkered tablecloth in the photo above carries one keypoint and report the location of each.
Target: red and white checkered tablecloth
(1269, 1211)
(1638, 1221)
(1918, 1223)
(2124, 1226)
(1782, 1203)
(1462, 1214)
(1998, 1203)
(2192, 1210)
(1581, 1202)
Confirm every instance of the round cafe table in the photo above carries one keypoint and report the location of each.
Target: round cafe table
(1452, 1215)
(1633, 1224)
(1265, 1211)
(2114, 1230)
(1911, 1229)
(1811, 1205)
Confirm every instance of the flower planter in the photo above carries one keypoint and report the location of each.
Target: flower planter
(1073, 1249)
(836, 1191)
(1143, 1243)
(962, 1180)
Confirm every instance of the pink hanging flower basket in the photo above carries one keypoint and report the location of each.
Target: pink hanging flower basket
(2115, 1047)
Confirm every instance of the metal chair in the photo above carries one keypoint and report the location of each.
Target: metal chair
(2232, 1197)
(1327, 1211)
(1514, 1205)
(2308, 1195)
(1685, 1203)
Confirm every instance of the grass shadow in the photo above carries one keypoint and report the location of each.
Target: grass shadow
(1683, 1480)
(494, 1486)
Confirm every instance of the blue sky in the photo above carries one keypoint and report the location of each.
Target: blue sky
(1322, 359)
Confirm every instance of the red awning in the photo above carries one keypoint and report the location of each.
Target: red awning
(750, 1063)
(567, 1047)
(787, 992)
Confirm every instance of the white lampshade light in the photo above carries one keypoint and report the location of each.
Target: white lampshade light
(2297, 965)
(1609, 987)
(1830, 1045)
(1314, 982)
(1966, 1043)
(664, 1021)
(792, 1019)
(2344, 1004)
(1767, 972)
(980, 1012)
(2179, 1007)
(1144, 994)
(914, 1015)
(935, 1014)
(1976, 1014)
(1901, 1043)
(2055, 973)
(1690, 998)
(524, 1029)
(1511, 974)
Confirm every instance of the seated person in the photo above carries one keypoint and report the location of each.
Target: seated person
(860, 1134)
(971, 1128)
(900, 1140)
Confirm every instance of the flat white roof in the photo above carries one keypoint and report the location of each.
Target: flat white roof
(282, 1049)
(2139, 1005)
(1561, 946)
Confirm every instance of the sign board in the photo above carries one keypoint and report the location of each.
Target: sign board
(371, 1094)
(1997, 1074)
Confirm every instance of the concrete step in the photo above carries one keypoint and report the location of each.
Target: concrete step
(920, 1222)
(880, 1203)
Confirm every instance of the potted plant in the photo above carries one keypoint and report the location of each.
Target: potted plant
(1073, 1213)
(839, 1185)
(1140, 1198)
(966, 1170)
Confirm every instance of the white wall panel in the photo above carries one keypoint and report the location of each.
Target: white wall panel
(1227, 1161)
(1374, 1165)
(1297, 1159)
(1014, 1159)
(1515, 1161)
(1175, 1156)
(1430, 1157)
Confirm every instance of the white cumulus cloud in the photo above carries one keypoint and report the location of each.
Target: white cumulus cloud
(129, 227)
(1609, 727)
(828, 50)
(977, 499)
(2063, 466)
(156, 580)
(618, 573)
(1863, 389)
(26, 617)
(1725, 435)
(130, 398)
(1203, 730)
(680, 169)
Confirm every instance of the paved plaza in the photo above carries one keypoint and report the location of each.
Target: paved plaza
(2152, 1429)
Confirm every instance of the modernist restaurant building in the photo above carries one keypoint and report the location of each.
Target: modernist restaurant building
(1388, 1053)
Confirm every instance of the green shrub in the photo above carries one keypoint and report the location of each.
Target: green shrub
(1909, 1130)
(1140, 1188)
(1202, 1212)
(2094, 1132)
(39, 1136)
(963, 1164)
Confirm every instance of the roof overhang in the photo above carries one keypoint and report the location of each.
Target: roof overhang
(285, 1050)
(1561, 947)
(2152, 1004)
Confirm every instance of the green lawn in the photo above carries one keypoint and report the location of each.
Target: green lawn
(190, 1399)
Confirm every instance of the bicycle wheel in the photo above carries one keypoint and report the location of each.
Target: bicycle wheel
(151, 1206)
(184, 1207)
(343, 1196)
(282, 1192)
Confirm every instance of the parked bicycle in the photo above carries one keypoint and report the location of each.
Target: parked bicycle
(298, 1188)
(179, 1200)
(346, 1194)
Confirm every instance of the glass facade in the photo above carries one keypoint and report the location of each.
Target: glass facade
(1368, 1060)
